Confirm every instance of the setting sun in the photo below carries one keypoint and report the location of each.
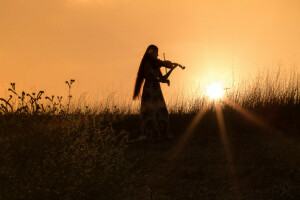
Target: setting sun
(215, 91)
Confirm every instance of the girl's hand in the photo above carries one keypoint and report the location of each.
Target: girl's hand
(164, 80)
(168, 82)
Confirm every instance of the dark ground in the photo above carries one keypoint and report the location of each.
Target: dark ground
(88, 157)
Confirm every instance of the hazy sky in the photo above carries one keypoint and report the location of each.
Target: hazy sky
(100, 43)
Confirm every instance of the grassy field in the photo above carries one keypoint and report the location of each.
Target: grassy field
(246, 146)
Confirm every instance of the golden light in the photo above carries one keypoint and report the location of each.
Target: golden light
(215, 91)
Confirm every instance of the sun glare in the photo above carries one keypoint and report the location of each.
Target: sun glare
(215, 91)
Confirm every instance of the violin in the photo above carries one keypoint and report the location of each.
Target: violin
(176, 64)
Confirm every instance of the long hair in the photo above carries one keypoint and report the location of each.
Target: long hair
(140, 78)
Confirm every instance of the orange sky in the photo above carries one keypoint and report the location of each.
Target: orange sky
(100, 43)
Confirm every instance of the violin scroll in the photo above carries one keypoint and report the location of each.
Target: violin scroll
(179, 65)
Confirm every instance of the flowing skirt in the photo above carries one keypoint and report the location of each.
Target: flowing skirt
(154, 113)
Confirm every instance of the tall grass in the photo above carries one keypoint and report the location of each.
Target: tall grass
(264, 90)
(267, 88)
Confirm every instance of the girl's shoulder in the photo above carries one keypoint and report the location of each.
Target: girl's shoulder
(157, 63)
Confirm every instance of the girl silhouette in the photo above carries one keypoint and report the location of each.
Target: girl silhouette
(153, 113)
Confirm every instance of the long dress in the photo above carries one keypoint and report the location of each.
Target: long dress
(154, 113)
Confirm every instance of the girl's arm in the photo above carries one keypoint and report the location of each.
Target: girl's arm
(162, 78)
(166, 76)
(150, 75)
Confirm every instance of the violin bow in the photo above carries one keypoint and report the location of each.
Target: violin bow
(165, 60)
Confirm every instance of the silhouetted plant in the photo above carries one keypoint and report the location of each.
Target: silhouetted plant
(69, 83)
(33, 103)
(3, 107)
(55, 104)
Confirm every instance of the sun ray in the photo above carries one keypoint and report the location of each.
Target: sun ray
(290, 143)
(177, 148)
(251, 117)
(227, 149)
(222, 128)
